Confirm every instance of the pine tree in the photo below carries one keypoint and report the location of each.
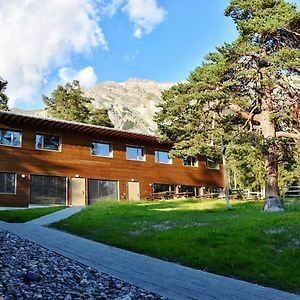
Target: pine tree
(69, 103)
(245, 91)
(3, 96)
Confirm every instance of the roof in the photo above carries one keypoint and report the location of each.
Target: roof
(29, 120)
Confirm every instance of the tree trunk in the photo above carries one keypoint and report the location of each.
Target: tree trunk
(272, 200)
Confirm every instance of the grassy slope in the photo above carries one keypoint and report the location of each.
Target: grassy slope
(243, 242)
(25, 215)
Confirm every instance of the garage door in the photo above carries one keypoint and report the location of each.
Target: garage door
(47, 190)
(102, 189)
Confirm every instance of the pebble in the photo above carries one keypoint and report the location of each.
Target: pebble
(29, 271)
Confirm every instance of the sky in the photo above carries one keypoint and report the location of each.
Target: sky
(50, 42)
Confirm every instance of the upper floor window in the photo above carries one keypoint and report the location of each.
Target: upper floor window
(47, 142)
(135, 153)
(211, 164)
(7, 183)
(10, 138)
(162, 157)
(190, 161)
(101, 149)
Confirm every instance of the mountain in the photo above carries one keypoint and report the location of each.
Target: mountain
(130, 104)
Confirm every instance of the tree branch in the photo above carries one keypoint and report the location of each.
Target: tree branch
(288, 135)
(244, 115)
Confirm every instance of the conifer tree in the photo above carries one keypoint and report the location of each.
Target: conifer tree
(3, 96)
(69, 103)
(246, 91)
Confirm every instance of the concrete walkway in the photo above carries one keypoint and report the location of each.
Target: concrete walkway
(56, 216)
(164, 278)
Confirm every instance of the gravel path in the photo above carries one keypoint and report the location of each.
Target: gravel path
(28, 271)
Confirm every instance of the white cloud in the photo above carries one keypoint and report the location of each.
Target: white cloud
(86, 76)
(111, 7)
(145, 15)
(39, 36)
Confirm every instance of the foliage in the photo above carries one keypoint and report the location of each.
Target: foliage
(26, 214)
(69, 103)
(243, 91)
(3, 96)
(241, 242)
(99, 116)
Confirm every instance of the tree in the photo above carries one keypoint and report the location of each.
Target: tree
(245, 91)
(3, 96)
(69, 103)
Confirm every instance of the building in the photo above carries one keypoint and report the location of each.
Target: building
(51, 162)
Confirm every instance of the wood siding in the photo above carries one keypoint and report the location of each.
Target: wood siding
(75, 159)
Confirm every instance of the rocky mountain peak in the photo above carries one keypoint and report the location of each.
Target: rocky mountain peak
(131, 104)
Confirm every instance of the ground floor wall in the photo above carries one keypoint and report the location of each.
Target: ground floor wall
(33, 188)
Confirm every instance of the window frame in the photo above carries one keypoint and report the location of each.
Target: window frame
(196, 164)
(50, 134)
(217, 167)
(164, 151)
(136, 147)
(15, 183)
(111, 155)
(12, 130)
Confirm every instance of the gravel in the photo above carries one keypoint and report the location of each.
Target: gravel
(28, 271)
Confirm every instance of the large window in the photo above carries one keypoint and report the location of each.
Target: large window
(135, 153)
(162, 187)
(7, 183)
(211, 164)
(101, 149)
(162, 157)
(10, 138)
(47, 190)
(47, 142)
(102, 189)
(190, 161)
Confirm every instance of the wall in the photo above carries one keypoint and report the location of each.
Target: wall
(75, 158)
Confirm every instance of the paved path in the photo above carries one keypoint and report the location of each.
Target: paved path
(56, 216)
(164, 278)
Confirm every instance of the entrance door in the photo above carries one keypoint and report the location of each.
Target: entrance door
(77, 187)
(133, 190)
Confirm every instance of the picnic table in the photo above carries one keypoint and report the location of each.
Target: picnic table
(163, 195)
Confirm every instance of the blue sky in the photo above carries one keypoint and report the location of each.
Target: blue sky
(98, 40)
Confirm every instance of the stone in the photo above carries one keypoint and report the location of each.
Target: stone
(38, 273)
(31, 276)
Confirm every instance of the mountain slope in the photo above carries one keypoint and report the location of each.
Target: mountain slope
(131, 104)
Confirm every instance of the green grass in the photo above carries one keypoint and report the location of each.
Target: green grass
(242, 242)
(25, 215)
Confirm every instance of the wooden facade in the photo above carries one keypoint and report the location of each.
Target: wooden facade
(74, 160)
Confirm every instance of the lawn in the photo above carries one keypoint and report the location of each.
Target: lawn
(242, 242)
(25, 215)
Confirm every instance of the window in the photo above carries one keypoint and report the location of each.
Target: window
(10, 138)
(101, 149)
(48, 190)
(47, 142)
(211, 164)
(162, 187)
(190, 161)
(102, 189)
(7, 183)
(135, 153)
(162, 157)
